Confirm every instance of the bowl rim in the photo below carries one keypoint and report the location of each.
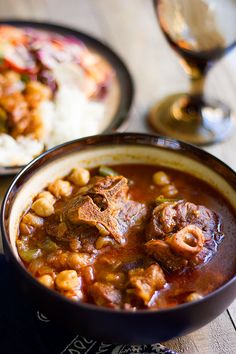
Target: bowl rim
(139, 139)
(120, 119)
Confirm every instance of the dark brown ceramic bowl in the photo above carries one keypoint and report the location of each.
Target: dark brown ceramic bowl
(118, 326)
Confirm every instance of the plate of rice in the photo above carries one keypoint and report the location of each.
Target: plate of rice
(56, 85)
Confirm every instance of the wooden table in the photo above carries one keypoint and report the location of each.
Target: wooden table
(130, 28)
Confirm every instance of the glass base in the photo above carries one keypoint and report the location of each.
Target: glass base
(192, 120)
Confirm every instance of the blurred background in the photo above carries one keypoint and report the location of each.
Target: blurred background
(131, 29)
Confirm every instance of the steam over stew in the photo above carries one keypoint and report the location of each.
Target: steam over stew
(129, 237)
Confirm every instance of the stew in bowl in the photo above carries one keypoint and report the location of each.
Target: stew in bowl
(125, 238)
(128, 237)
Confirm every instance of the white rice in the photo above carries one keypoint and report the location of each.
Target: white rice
(71, 115)
(18, 151)
(75, 116)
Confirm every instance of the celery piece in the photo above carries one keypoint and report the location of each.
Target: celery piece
(161, 199)
(29, 255)
(48, 245)
(107, 171)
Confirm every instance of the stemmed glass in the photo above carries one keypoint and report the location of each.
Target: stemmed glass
(200, 32)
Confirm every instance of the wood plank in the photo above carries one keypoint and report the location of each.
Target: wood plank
(22, 9)
(75, 13)
(218, 337)
(232, 312)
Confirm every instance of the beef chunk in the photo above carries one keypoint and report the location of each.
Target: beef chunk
(182, 234)
(102, 205)
(162, 221)
(105, 203)
(162, 252)
(144, 282)
(172, 261)
(105, 295)
(58, 227)
(171, 217)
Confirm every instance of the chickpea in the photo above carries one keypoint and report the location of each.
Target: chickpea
(60, 188)
(67, 280)
(43, 207)
(79, 176)
(160, 178)
(75, 294)
(169, 190)
(47, 195)
(79, 260)
(46, 280)
(33, 220)
(193, 297)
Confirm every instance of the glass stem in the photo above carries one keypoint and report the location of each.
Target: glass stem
(197, 86)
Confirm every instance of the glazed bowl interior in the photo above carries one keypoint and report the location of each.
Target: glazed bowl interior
(110, 154)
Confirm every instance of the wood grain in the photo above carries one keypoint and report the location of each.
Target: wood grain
(130, 28)
(217, 337)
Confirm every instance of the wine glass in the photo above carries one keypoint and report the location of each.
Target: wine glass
(200, 32)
